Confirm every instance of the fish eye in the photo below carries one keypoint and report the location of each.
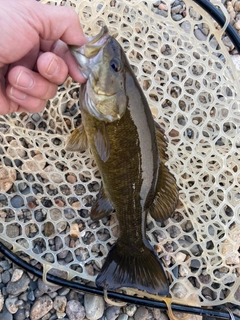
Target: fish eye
(115, 64)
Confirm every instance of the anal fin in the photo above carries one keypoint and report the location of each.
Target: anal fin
(166, 196)
(102, 206)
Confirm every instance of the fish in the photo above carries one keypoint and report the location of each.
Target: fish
(129, 148)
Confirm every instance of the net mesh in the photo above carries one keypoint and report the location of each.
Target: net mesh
(193, 92)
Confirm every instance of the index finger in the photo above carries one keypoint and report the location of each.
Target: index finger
(66, 19)
(61, 49)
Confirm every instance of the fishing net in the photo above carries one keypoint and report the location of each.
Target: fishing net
(193, 92)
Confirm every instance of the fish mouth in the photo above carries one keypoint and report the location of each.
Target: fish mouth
(103, 93)
(89, 54)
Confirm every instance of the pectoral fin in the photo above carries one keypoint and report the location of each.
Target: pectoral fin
(101, 207)
(102, 142)
(166, 197)
(77, 140)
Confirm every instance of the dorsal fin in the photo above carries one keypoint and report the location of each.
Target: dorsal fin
(166, 197)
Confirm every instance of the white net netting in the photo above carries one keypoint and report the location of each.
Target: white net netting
(193, 91)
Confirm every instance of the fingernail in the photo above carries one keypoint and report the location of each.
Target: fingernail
(53, 67)
(17, 94)
(24, 80)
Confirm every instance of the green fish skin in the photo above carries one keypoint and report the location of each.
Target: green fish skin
(129, 149)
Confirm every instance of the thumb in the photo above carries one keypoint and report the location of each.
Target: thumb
(58, 22)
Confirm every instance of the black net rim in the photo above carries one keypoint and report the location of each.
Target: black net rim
(218, 16)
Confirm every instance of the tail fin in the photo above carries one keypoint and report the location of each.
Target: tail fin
(141, 270)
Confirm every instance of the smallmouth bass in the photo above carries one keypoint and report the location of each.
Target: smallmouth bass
(129, 150)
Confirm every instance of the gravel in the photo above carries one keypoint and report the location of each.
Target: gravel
(29, 298)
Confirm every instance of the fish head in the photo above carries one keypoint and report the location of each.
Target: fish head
(101, 61)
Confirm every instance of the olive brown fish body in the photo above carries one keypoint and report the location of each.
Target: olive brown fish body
(129, 150)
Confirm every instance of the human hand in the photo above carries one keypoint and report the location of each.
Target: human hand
(34, 57)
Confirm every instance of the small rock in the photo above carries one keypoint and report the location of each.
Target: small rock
(17, 201)
(15, 150)
(60, 315)
(163, 6)
(183, 289)
(75, 311)
(237, 294)
(94, 306)
(228, 43)
(20, 315)
(141, 314)
(130, 310)
(112, 312)
(237, 6)
(225, 278)
(13, 230)
(60, 303)
(55, 214)
(158, 315)
(17, 273)
(6, 276)
(76, 205)
(10, 304)
(194, 14)
(63, 291)
(1, 301)
(162, 13)
(237, 25)
(41, 307)
(177, 17)
(31, 295)
(37, 163)
(36, 117)
(229, 249)
(61, 226)
(7, 178)
(71, 178)
(176, 9)
(89, 269)
(5, 265)
(183, 271)
(56, 177)
(17, 287)
(186, 26)
(236, 61)
(74, 230)
(45, 288)
(52, 295)
(123, 316)
(62, 254)
(157, 3)
(5, 314)
(214, 43)
(73, 295)
(180, 257)
(199, 35)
